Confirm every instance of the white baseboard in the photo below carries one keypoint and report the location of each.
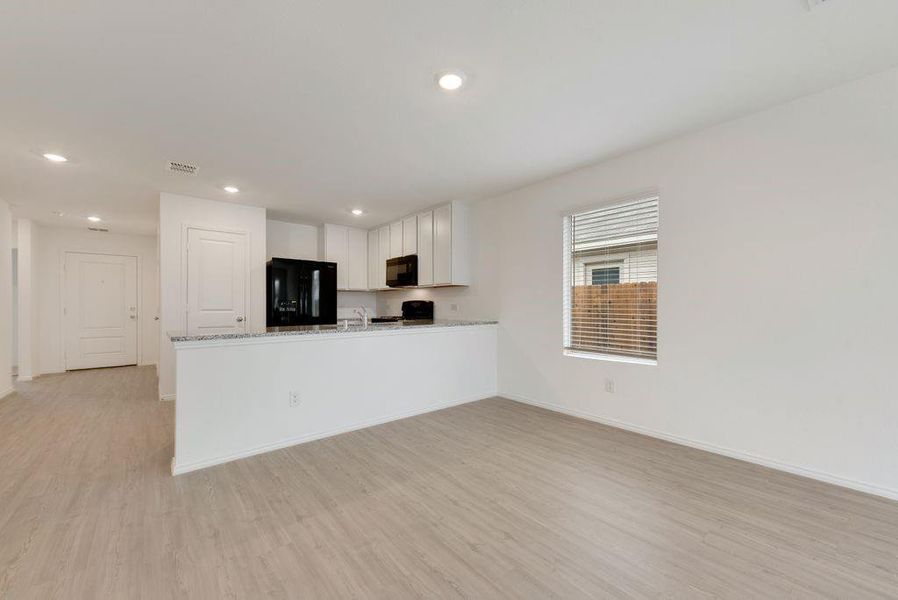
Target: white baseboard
(167, 397)
(177, 469)
(7, 392)
(859, 486)
(24, 378)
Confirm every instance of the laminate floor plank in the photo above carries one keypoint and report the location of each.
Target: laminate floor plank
(492, 499)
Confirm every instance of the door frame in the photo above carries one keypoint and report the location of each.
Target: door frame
(64, 297)
(182, 292)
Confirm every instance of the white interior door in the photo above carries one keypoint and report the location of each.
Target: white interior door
(100, 310)
(217, 281)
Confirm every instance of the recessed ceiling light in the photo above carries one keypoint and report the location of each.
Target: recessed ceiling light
(58, 213)
(55, 157)
(358, 212)
(451, 80)
(94, 219)
(231, 189)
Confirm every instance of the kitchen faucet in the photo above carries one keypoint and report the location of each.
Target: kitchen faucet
(362, 312)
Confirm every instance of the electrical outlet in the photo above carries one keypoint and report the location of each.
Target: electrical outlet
(453, 307)
(609, 385)
(294, 398)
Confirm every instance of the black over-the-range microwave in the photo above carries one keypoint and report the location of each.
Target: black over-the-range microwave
(402, 271)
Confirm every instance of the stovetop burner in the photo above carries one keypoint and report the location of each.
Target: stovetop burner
(391, 319)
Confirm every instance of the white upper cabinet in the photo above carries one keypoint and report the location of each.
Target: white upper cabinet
(348, 247)
(373, 250)
(438, 237)
(425, 248)
(358, 258)
(383, 253)
(442, 245)
(335, 248)
(409, 235)
(396, 239)
(450, 245)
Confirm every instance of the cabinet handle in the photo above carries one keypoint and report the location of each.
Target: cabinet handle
(239, 319)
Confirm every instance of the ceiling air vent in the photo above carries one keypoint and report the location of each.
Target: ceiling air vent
(102, 229)
(183, 168)
(812, 4)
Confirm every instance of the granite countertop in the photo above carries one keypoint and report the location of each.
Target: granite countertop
(331, 329)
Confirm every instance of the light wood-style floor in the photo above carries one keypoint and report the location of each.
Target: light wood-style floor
(488, 500)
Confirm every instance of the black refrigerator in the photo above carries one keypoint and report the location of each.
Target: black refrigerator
(301, 292)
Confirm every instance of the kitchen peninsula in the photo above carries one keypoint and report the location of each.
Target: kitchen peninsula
(241, 394)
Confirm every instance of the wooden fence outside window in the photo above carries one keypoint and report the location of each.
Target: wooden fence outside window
(616, 318)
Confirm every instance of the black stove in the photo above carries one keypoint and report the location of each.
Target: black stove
(392, 319)
(412, 310)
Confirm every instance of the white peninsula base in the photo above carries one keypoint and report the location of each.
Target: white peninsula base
(234, 395)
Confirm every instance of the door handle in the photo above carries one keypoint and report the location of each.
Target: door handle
(239, 319)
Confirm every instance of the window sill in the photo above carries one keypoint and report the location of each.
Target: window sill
(612, 358)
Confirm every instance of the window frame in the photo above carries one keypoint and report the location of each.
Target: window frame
(567, 270)
(606, 266)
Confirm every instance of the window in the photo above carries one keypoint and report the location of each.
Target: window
(611, 280)
(604, 275)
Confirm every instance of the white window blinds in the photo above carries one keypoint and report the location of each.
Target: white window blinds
(611, 280)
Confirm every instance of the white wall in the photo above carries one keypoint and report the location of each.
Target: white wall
(348, 302)
(291, 240)
(14, 301)
(49, 245)
(175, 214)
(5, 299)
(778, 345)
(27, 349)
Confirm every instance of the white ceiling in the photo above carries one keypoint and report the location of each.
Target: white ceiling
(315, 107)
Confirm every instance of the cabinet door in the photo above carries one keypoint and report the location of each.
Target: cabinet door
(336, 250)
(409, 236)
(383, 255)
(373, 250)
(425, 248)
(442, 245)
(395, 239)
(357, 254)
